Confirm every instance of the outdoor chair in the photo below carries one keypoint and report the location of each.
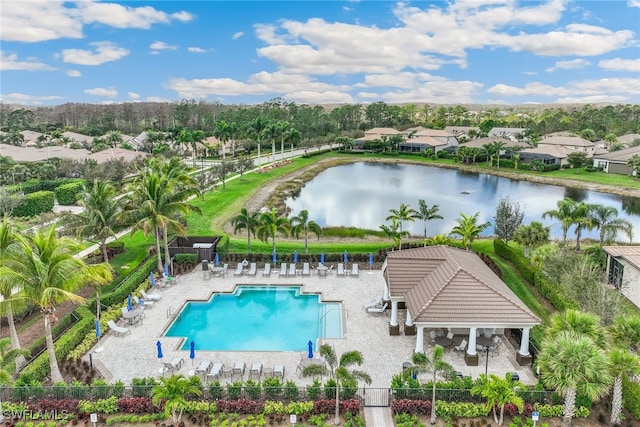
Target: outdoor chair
(150, 297)
(340, 269)
(118, 330)
(355, 272)
(239, 269)
(174, 365)
(377, 310)
(450, 335)
(305, 269)
(238, 369)
(278, 371)
(256, 370)
(266, 272)
(203, 369)
(214, 372)
(283, 269)
(143, 302)
(461, 347)
(253, 269)
(375, 303)
(292, 270)
(432, 336)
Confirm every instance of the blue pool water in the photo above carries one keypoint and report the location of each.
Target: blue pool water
(258, 318)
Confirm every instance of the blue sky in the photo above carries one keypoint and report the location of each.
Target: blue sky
(241, 52)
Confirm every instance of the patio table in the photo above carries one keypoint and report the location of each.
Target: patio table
(484, 341)
(133, 316)
(322, 270)
(443, 341)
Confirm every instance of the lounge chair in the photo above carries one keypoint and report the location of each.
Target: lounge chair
(142, 302)
(239, 269)
(355, 270)
(305, 269)
(340, 269)
(283, 269)
(256, 370)
(374, 303)
(461, 347)
(150, 297)
(225, 270)
(377, 310)
(292, 270)
(450, 335)
(174, 365)
(238, 369)
(215, 371)
(253, 269)
(203, 368)
(266, 272)
(278, 371)
(118, 330)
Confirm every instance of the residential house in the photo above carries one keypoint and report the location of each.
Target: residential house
(508, 144)
(547, 154)
(429, 139)
(572, 142)
(616, 161)
(629, 139)
(375, 134)
(623, 270)
(462, 132)
(514, 134)
(78, 137)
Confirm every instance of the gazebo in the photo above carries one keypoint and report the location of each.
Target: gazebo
(446, 287)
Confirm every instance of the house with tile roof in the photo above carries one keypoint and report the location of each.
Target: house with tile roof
(547, 154)
(572, 142)
(446, 287)
(514, 134)
(616, 161)
(623, 270)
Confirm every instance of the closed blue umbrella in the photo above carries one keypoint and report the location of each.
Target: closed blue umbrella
(346, 257)
(322, 258)
(166, 270)
(295, 257)
(192, 352)
(97, 328)
(160, 355)
(152, 278)
(370, 260)
(310, 345)
(274, 258)
(217, 260)
(129, 303)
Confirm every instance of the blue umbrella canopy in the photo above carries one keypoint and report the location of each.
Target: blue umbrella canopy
(166, 270)
(97, 328)
(129, 303)
(310, 345)
(217, 260)
(295, 257)
(370, 258)
(322, 258)
(346, 257)
(152, 279)
(159, 345)
(192, 351)
(274, 257)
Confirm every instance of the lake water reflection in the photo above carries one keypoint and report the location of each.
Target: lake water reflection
(361, 194)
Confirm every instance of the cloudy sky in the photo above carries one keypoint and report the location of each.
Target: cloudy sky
(466, 51)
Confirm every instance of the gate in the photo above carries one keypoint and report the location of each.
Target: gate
(375, 397)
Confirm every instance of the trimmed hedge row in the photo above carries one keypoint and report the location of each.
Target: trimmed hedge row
(67, 194)
(35, 204)
(34, 185)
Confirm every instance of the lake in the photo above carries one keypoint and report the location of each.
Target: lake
(361, 194)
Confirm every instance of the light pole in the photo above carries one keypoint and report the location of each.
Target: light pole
(487, 348)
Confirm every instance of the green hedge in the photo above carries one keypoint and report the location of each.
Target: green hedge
(186, 259)
(34, 185)
(35, 204)
(67, 194)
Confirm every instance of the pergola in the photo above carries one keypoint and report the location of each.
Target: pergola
(446, 287)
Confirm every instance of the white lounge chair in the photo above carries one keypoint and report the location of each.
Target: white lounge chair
(377, 310)
(143, 303)
(278, 371)
(256, 370)
(355, 271)
(461, 347)
(292, 270)
(450, 335)
(340, 269)
(203, 368)
(305, 269)
(150, 297)
(283, 269)
(238, 369)
(118, 330)
(215, 371)
(266, 272)
(174, 365)
(239, 269)
(253, 269)
(375, 303)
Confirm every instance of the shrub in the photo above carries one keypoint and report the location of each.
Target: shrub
(631, 397)
(412, 407)
(185, 258)
(137, 405)
(314, 390)
(67, 194)
(215, 390)
(35, 204)
(240, 406)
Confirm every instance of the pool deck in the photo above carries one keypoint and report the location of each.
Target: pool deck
(134, 355)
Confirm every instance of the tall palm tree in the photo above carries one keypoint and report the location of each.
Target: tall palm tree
(270, 224)
(246, 220)
(625, 332)
(197, 136)
(402, 214)
(47, 271)
(184, 140)
(573, 364)
(623, 364)
(10, 241)
(222, 131)
(173, 392)
(564, 214)
(273, 132)
(341, 371)
(113, 138)
(393, 231)
(579, 323)
(293, 137)
(531, 236)
(499, 391)
(582, 219)
(605, 219)
(437, 366)
(256, 131)
(300, 224)
(468, 228)
(284, 127)
(426, 213)
(101, 214)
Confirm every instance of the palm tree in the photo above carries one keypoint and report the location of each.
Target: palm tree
(582, 219)
(402, 214)
(269, 225)
(634, 164)
(293, 137)
(573, 364)
(301, 224)
(531, 236)
(283, 128)
(394, 232)
(564, 214)
(222, 131)
(579, 323)
(341, 371)
(499, 391)
(47, 271)
(246, 220)
(184, 139)
(426, 213)
(256, 131)
(197, 136)
(173, 392)
(468, 228)
(623, 364)
(273, 132)
(436, 365)
(100, 216)
(113, 138)
(605, 219)
(625, 332)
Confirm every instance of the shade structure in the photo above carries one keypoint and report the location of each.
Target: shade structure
(310, 345)
(166, 270)
(370, 259)
(152, 279)
(322, 258)
(346, 257)
(129, 303)
(97, 328)
(216, 260)
(192, 351)
(274, 258)
(295, 257)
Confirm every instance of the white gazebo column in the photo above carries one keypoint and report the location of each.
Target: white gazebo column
(471, 356)
(523, 357)
(409, 327)
(385, 292)
(420, 340)
(394, 328)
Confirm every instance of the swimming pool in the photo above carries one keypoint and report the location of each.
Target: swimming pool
(258, 318)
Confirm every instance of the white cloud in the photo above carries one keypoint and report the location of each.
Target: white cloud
(311, 97)
(195, 49)
(22, 98)
(157, 99)
(41, 20)
(621, 64)
(160, 45)
(9, 61)
(100, 91)
(104, 52)
(237, 35)
(530, 73)
(133, 96)
(439, 92)
(74, 73)
(403, 80)
(633, 3)
(568, 65)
